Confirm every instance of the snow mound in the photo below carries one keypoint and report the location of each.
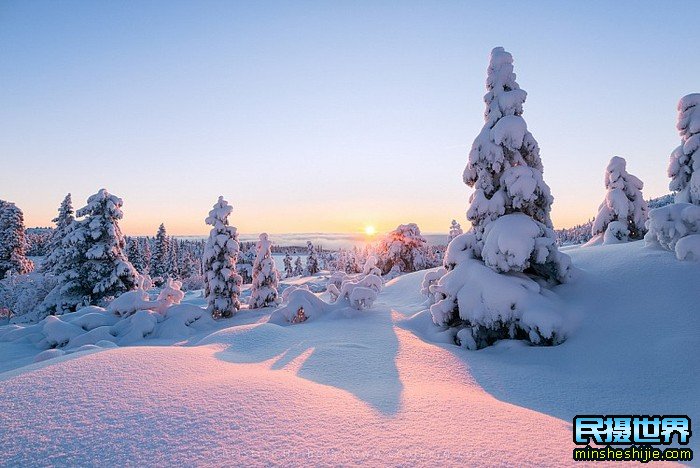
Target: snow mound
(311, 307)
(96, 326)
(688, 248)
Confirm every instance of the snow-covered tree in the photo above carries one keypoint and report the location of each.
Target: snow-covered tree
(136, 256)
(265, 275)
(404, 250)
(311, 260)
(495, 273)
(506, 171)
(288, 270)
(677, 226)
(684, 166)
(298, 267)
(63, 222)
(13, 245)
(455, 230)
(222, 283)
(623, 213)
(173, 258)
(95, 266)
(161, 250)
(146, 251)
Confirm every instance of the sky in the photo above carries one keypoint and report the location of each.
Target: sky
(326, 116)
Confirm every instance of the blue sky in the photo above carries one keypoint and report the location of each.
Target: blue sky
(326, 116)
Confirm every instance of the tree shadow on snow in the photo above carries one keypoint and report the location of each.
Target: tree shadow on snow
(356, 355)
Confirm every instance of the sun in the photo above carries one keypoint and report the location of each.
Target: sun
(370, 230)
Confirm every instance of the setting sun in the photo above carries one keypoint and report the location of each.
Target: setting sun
(370, 230)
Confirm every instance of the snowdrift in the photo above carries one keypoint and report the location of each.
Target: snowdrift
(371, 389)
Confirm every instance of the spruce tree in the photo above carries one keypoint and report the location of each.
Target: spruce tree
(311, 260)
(298, 267)
(496, 272)
(161, 250)
(13, 244)
(624, 204)
(222, 284)
(146, 251)
(96, 266)
(135, 255)
(63, 222)
(173, 258)
(265, 275)
(506, 171)
(288, 271)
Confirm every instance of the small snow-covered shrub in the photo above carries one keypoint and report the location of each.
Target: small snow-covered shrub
(133, 301)
(616, 233)
(193, 283)
(455, 230)
(669, 224)
(624, 205)
(299, 297)
(362, 297)
(688, 248)
(370, 267)
(430, 279)
(23, 295)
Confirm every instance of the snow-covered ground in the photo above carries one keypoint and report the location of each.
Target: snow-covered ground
(377, 388)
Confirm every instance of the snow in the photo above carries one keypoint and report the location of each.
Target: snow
(684, 162)
(688, 248)
(509, 131)
(668, 224)
(380, 388)
(512, 240)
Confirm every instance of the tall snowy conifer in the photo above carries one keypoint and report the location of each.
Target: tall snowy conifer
(496, 272)
(505, 170)
(161, 251)
(13, 245)
(265, 275)
(146, 251)
(135, 255)
(684, 166)
(63, 222)
(96, 265)
(222, 284)
(624, 211)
